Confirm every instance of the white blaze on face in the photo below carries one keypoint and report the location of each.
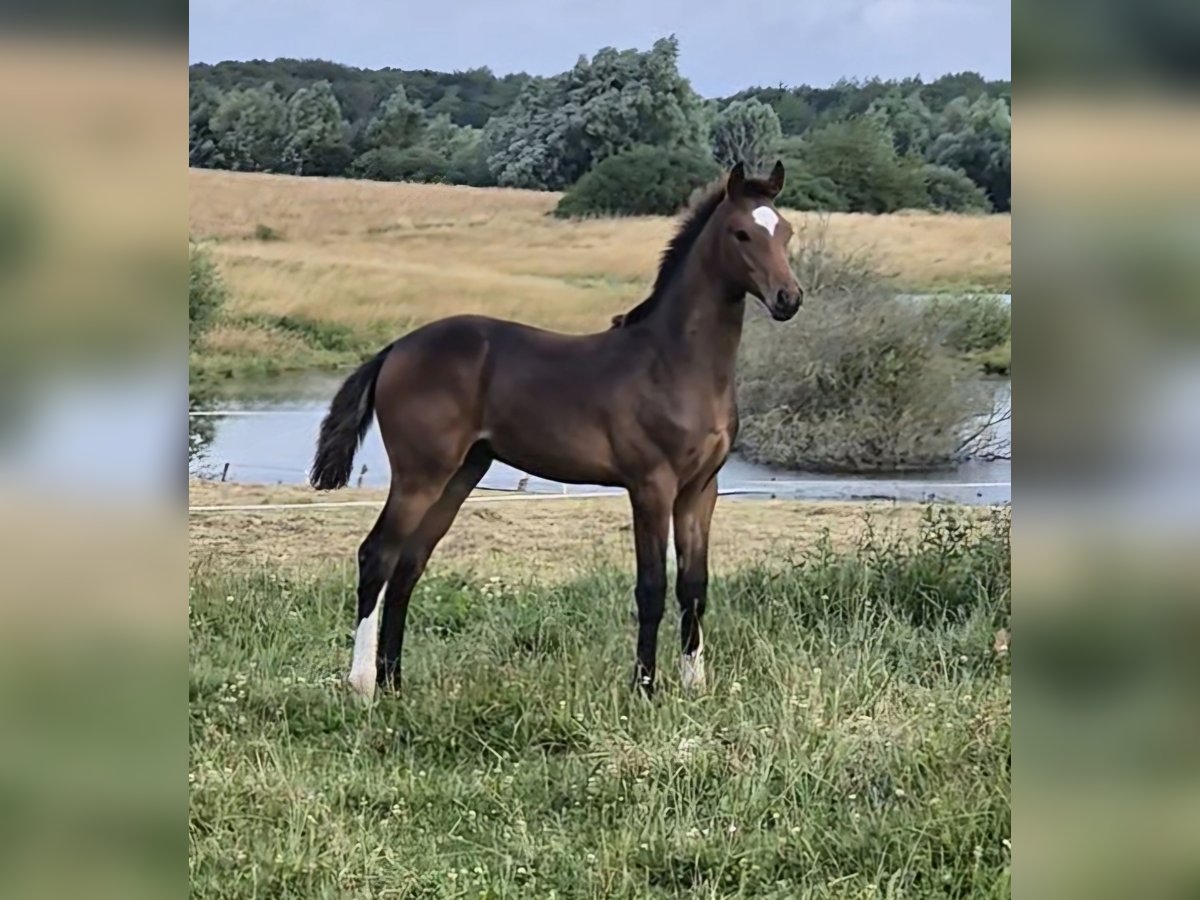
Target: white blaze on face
(766, 217)
(366, 648)
(691, 665)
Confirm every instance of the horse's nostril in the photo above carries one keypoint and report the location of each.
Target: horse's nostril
(782, 297)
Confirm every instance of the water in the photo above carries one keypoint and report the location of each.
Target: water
(269, 437)
(110, 434)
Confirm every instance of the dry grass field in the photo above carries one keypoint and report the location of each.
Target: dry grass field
(349, 264)
(500, 535)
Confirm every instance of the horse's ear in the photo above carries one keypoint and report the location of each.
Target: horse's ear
(775, 182)
(737, 180)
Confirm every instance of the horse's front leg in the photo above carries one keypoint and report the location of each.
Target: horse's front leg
(651, 522)
(693, 518)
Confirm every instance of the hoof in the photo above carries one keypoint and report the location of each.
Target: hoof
(691, 670)
(363, 684)
(644, 684)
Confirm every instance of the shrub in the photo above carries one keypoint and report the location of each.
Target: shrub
(206, 292)
(822, 268)
(644, 181)
(971, 324)
(266, 233)
(389, 164)
(380, 164)
(424, 164)
(859, 381)
(331, 336)
(951, 190)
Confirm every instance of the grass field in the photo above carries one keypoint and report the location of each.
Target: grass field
(853, 740)
(320, 270)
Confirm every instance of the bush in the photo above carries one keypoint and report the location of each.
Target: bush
(971, 324)
(951, 190)
(206, 292)
(380, 164)
(422, 164)
(860, 381)
(821, 268)
(266, 233)
(644, 181)
(389, 164)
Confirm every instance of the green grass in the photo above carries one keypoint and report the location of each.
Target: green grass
(853, 741)
(996, 361)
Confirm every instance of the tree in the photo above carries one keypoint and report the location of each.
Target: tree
(806, 191)
(970, 85)
(907, 118)
(203, 100)
(397, 124)
(977, 139)
(249, 127)
(526, 147)
(746, 131)
(316, 141)
(795, 114)
(461, 149)
(468, 164)
(562, 126)
(859, 157)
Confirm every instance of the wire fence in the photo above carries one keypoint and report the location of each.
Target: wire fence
(500, 495)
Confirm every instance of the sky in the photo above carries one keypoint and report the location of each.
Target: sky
(725, 45)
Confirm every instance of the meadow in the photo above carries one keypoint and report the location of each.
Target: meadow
(853, 739)
(322, 270)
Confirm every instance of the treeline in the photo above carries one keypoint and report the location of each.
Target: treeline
(872, 146)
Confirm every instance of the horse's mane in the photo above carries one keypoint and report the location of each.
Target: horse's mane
(678, 248)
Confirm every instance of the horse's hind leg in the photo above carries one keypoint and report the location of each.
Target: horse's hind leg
(376, 559)
(414, 554)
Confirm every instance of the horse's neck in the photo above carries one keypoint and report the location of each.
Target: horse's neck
(700, 323)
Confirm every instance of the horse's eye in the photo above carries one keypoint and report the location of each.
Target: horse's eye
(741, 235)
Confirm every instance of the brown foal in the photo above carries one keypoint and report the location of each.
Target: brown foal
(647, 405)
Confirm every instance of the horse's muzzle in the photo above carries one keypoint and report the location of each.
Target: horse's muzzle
(785, 303)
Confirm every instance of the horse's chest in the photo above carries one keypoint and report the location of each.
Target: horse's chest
(710, 439)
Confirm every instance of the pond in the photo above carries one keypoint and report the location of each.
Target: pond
(266, 433)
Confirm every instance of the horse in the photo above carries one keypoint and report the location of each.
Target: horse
(647, 405)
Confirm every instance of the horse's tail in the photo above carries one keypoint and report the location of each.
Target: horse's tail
(345, 425)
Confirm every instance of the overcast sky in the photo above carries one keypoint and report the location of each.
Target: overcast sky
(725, 45)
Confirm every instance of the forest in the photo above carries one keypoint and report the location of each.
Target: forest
(855, 146)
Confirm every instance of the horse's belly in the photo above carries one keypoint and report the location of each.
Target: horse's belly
(557, 449)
